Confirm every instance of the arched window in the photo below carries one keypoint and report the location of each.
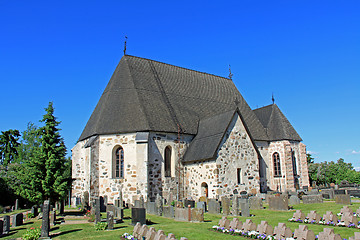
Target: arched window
(204, 189)
(277, 168)
(118, 163)
(168, 161)
(293, 158)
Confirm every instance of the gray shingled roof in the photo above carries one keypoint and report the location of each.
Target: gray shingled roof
(146, 95)
(206, 142)
(276, 124)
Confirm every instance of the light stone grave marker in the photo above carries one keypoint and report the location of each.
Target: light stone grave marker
(249, 226)
(303, 233)
(330, 217)
(168, 212)
(245, 207)
(214, 206)
(343, 199)
(110, 220)
(294, 200)
(282, 231)
(159, 204)
(348, 218)
(197, 215)
(265, 228)
(201, 205)
(255, 203)
(280, 203)
(328, 234)
(310, 199)
(345, 209)
(236, 224)
(224, 222)
(313, 216)
(235, 206)
(151, 233)
(299, 215)
(225, 204)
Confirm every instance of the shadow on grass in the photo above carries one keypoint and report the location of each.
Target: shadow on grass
(54, 228)
(64, 232)
(73, 213)
(119, 227)
(27, 223)
(149, 222)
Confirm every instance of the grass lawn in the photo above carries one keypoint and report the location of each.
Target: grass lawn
(198, 231)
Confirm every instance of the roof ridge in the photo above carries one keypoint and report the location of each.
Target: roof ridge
(264, 106)
(178, 67)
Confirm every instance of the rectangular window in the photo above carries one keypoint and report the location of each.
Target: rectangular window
(239, 177)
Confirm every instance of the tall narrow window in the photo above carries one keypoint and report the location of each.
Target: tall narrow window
(238, 174)
(168, 161)
(277, 169)
(293, 158)
(119, 163)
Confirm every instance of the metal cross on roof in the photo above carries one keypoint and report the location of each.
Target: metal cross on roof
(125, 45)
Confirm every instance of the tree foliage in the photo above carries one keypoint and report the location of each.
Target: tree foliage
(8, 146)
(332, 172)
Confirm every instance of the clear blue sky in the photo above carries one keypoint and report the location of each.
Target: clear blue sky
(306, 52)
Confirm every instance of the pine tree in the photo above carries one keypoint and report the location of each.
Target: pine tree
(51, 161)
(8, 144)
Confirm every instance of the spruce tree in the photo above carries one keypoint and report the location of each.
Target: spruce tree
(8, 144)
(51, 160)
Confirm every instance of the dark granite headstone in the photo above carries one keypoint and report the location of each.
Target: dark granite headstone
(18, 220)
(97, 210)
(189, 202)
(102, 204)
(138, 215)
(354, 193)
(6, 228)
(280, 203)
(214, 206)
(110, 220)
(34, 210)
(45, 227)
(339, 192)
(1, 227)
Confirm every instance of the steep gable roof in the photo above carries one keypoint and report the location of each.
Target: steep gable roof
(146, 95)
(276, 124)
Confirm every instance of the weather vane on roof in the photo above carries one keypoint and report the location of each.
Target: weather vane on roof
(272, 98)
(230, 74)
(125, 45)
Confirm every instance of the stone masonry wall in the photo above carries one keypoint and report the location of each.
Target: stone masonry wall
(236, 151)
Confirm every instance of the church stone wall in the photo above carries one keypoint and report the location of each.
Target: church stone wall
(158, 183)
(236, 152)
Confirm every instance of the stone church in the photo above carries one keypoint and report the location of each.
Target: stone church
(168, 130)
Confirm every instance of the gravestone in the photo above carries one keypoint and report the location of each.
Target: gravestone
(102, 203)
(34, 210)
(151, 208)
(197, 215)
(16, 204)
(236, 224)
(345, 209)
(97, 210)
(142, 202)
(143, 231)
(136, 230)
(1, 227)
(117, 203)
(329, 217)
(235, 206)
(53, 217)
(303, 233)
(313, 217)
(281, 231)
(159, 204)
(225, 204)
(137, 204)
(18, 220)
(354, 193)
(265, 228)
(201, 205)
(294, 200)
(224, 222)
(151, 233)
(6, 228)
(138, 215)
(348, 218)
(339, 192)
(179, 204)
(255, 203)
(110, 220)
(45, 227)
(299, 215)
(203, 199)
(280, 203)
(168, 212)
(342, 199)
(245, 207)
(313, 192)
(310, 199)
(118, 212)
(249, 226)
(328, 193)
(328, 233)
(214, 206)
(189, 202)
(181, 214)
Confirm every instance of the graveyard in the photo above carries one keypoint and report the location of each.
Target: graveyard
(249, 214)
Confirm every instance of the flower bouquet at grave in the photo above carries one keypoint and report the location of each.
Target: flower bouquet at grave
(295, 220)
(127, 236)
